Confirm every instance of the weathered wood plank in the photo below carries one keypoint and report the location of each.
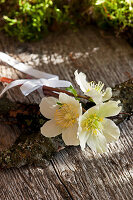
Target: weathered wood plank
(73, 174)
(90, 176)
(31, 183)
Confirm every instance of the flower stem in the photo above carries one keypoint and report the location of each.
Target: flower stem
(46, 88)
(124, 114)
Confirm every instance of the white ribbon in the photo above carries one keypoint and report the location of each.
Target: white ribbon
(29, 85)
(25, 68)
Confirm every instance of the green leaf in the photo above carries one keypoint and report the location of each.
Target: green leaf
(72, 90)
(78, 99)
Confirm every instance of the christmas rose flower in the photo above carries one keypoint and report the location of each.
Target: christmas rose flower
(93, 90)
(95, 129)
(63, 114)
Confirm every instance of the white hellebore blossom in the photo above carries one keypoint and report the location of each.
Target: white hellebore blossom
(95, 129)
(93, 90)
(64, 117)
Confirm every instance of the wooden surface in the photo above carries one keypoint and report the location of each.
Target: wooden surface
(72, 173)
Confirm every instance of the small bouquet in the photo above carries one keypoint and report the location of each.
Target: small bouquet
(77, 125)
(81, 119)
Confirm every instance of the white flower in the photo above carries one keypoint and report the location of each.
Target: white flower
(95, 91)
(64, 117)
(95, 129)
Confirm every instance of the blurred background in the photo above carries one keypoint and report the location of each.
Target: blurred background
(34, 19)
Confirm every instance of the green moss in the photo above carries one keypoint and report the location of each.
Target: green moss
(114, 13)
(31, 19)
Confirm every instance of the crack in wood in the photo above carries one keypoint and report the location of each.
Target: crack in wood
(71, 198)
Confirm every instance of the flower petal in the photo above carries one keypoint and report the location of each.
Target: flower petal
(50, 129)
(69, 135)
(83, 137)
(109, 109)
(108, 94)
(97, 142)
(81, 81)
(90, 111)
(95, 95)
(48, 106)
(110, 131)
(64, 98)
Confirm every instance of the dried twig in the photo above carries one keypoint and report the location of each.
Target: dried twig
(47, 90)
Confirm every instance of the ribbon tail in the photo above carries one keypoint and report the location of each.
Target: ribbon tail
(26, 68)
(12, 84)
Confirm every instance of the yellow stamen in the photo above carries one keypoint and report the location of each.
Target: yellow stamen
(66, 115)
(92, 124)
(101, 119)
(98, 87)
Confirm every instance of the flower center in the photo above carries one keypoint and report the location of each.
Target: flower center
(66, 115)
(98, 87)
(92, 123)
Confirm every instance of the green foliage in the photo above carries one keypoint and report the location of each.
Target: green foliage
(72, 90)
(115, 13)
(30, 19)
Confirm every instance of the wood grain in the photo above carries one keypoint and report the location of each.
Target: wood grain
(72, 174)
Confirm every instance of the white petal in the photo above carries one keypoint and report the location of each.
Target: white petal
(97, 142)
(90, 111)
(64, 98)
(81, 81)
(109, 109)
(110, 131)
(50, 129)
(83, 137)
(108, 94)
(69, 135)
(95, 95)
(48, 106)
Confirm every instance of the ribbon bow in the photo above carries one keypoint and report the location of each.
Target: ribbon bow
(29, 85)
